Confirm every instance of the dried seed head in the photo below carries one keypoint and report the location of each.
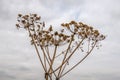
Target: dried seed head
(73, 22)
(68, 41)
(26, 25)
(62, 30)
(64, 37)
(38, 26)
(75, 30)
(17, 25)
(38, 18)
(62, 24)
(81, 24)
(60, 35)
(102, 37)
(43, 24)
(88, 33)
(23, 21)
(56, 33)
(96, 31)
(49, 37)
(50, 29)
(35, 15)
(79, 33)
(67, 25)
(91, 28)
(19, 15)
(25, 17)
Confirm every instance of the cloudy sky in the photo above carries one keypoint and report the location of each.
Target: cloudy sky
(17, 61)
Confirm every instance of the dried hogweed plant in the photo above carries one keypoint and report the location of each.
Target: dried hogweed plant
(73, 36)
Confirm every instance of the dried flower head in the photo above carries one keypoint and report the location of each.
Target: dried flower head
(73, 34)
(19, 15)
(49, 37)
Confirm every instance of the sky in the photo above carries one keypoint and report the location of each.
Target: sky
(17, 61)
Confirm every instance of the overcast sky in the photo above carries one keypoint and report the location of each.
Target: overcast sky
(17, 61)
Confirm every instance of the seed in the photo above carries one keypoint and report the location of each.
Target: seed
(19, 15)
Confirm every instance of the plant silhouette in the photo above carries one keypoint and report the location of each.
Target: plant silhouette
(72, 37)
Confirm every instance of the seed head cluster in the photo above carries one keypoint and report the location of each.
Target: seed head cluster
(40, 35)
(76, 35)
(84, 31)
(46, 37)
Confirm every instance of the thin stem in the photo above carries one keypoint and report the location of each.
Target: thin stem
(38, 54)
(63, 68)
(88, 44)
(48, 53)
(80, 60)
(69, 55)
(60, 54)
(47, 58)
(65, 55)
(75, 49)
(52, 61)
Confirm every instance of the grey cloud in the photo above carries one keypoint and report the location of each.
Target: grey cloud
(108, 76)
(99, 76)
(4, 74)
(62, 5)
(4, 11)
(17, 58)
